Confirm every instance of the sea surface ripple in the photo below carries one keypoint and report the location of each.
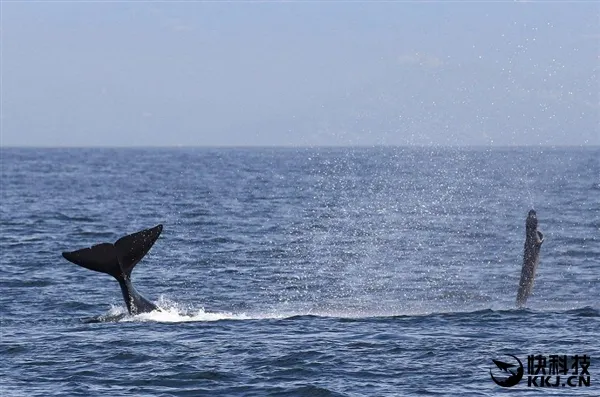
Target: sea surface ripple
(296, 272)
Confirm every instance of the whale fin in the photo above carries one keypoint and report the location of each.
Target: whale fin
(531, 258)
(116, 259)
(133, 247)
(100, 258)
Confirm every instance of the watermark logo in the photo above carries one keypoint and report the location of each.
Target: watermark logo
(510, 373)
(543, 371)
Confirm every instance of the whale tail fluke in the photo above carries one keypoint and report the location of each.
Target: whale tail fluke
(100, 258)
(116, 259)
(132, 248)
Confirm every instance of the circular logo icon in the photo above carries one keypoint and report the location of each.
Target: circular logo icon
(507, 374)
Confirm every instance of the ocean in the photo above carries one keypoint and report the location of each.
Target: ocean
(383, 271)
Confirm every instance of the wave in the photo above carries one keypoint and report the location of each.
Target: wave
(172, 312)
(72, 218)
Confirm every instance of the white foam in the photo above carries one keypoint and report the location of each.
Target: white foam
(173, 315)
(173, 312)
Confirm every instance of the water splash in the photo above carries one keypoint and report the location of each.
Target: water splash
(174, 315)
(174, 312)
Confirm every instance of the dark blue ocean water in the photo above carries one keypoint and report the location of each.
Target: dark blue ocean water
(297, 272)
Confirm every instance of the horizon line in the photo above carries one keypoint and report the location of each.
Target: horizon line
(334, 146)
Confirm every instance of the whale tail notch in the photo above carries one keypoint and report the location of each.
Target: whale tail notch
(116, 259)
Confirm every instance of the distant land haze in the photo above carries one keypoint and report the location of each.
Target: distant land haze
(299, 74)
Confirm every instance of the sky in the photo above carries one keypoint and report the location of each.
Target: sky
(135, 73)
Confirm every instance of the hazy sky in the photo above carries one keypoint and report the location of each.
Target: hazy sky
(300, 73)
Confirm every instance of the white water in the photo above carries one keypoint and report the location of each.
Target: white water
(173, 312)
